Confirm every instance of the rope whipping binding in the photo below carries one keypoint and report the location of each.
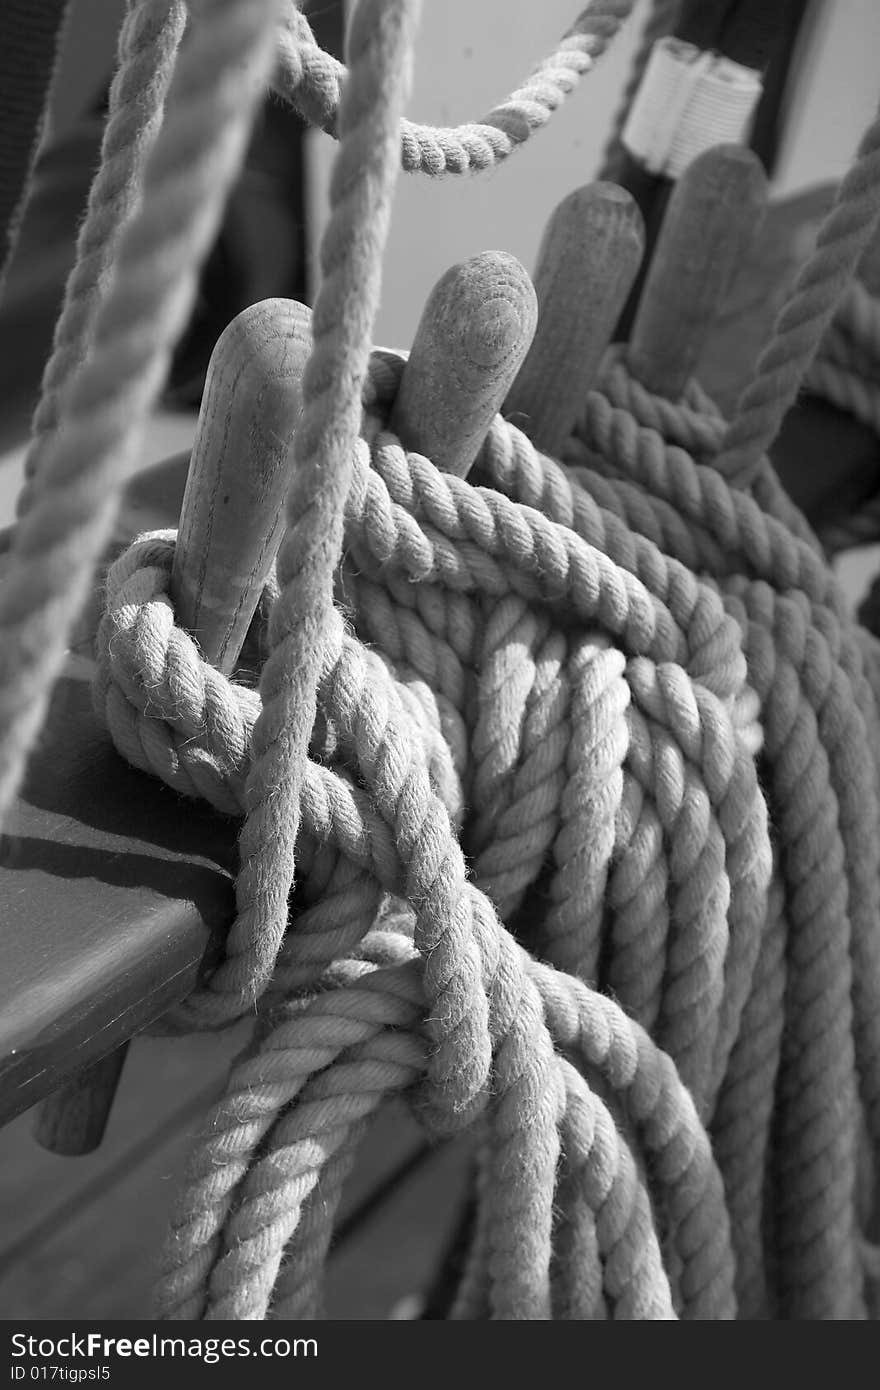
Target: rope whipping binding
(634, 691)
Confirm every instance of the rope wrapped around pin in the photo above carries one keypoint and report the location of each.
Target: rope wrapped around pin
(490, 1008)
(580, 658)
(515, 1014)
(499, 1018)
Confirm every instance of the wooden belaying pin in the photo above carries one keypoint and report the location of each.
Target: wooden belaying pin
(232, 517)
(72, 1120)
(231, 524)
(714, 212)
(474, 332)
(587, 262)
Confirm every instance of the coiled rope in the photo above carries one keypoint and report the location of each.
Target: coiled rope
(630, 689)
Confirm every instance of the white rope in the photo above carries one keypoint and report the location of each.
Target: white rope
(688, 101)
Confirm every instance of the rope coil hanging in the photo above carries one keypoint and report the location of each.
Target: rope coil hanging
(625, 682)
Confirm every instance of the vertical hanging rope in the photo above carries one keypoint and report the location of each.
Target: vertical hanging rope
(805, 317)
(221, 74)
(147, 48)
(380, 44)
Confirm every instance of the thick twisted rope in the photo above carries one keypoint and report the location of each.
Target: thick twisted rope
(133, 328)
(147, 49)
(819, 1274)
(341, 1022)
(804, 318)
(380, 42)
(660, 21)
(632, 691)
(851, 695)
(518, 744)
(329, 804)
(55, 547)
(357, 699)
(312, 80)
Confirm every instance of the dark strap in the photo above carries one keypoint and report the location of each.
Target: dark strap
(756, 33)
(29, 36)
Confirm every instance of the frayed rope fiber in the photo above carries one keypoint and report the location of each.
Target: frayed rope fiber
(573, 768)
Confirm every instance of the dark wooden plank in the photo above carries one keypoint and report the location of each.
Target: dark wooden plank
(110, 890)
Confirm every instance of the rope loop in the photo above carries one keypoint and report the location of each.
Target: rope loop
(312, 80)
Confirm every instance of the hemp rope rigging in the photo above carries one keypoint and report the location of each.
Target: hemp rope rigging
(625, 684)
